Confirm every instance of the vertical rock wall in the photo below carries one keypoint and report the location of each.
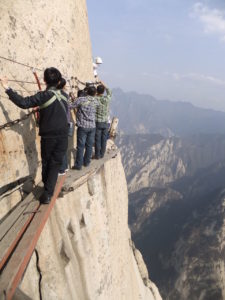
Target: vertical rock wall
(85, 251)
(42, 34)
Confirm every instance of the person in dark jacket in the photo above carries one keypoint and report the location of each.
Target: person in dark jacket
(53, 126)
(62, 86)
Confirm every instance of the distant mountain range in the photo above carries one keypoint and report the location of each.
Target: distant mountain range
(174, 159)
(177, 211)
(141, 114)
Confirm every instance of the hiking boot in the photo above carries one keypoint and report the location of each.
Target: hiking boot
(96, 157)
(45, 198)
(76, 168)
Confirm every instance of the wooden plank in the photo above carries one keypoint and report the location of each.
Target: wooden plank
(11, 238)
(73, 176)
(10, 219)
(12, 230)
(16, 266)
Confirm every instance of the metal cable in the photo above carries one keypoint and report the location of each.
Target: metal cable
(19, 63)
(22, 81)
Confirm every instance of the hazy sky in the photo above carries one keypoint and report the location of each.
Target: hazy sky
(171, 49)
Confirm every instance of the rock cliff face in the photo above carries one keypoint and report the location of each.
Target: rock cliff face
(41, 34)
(85, 251)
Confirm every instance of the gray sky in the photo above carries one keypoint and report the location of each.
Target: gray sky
(171, 49)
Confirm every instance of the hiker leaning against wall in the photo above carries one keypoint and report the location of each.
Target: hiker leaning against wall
(53, 126)
(102, 116)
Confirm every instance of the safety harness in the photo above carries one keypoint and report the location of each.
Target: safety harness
(57, 96)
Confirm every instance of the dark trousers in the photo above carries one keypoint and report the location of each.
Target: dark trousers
(101, 138)
(64, 165)
(85, 140)
(52, 153)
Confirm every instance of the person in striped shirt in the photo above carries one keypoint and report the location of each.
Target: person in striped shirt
(86, 113)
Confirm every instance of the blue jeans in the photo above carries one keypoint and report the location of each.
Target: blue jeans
(101, 135)
(85, 140)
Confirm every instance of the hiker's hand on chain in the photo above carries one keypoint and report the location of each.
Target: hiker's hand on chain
(4, 82)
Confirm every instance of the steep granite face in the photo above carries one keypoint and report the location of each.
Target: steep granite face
(41, 34)
(85, 250)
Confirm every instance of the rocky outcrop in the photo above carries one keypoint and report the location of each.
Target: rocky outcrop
(154, 161)
(146, 202)
(178, 224)
(85, 250)
(199, 255)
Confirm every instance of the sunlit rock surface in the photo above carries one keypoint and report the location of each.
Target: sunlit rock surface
(85, 250)
(41, 34)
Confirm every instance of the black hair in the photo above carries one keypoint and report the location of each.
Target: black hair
(61, 84)
(81, 93)
(91, 91)
(52, 76)
(100, 89)
(88, 84)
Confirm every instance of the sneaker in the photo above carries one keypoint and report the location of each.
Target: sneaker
(62, 173)
(66, 170)
(76, 168)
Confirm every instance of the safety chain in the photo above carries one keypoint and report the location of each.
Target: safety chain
(35, 68)
(26, 116)
(78, 81)
(14, 122)
(83, 83)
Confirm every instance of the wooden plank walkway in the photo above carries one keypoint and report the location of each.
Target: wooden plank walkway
(20, 231)
(13, 227)
(76, 178)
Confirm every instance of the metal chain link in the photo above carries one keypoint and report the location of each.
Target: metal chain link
(26, 116)
(14, 122)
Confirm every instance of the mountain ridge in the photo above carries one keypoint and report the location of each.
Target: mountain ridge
(139, 113)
